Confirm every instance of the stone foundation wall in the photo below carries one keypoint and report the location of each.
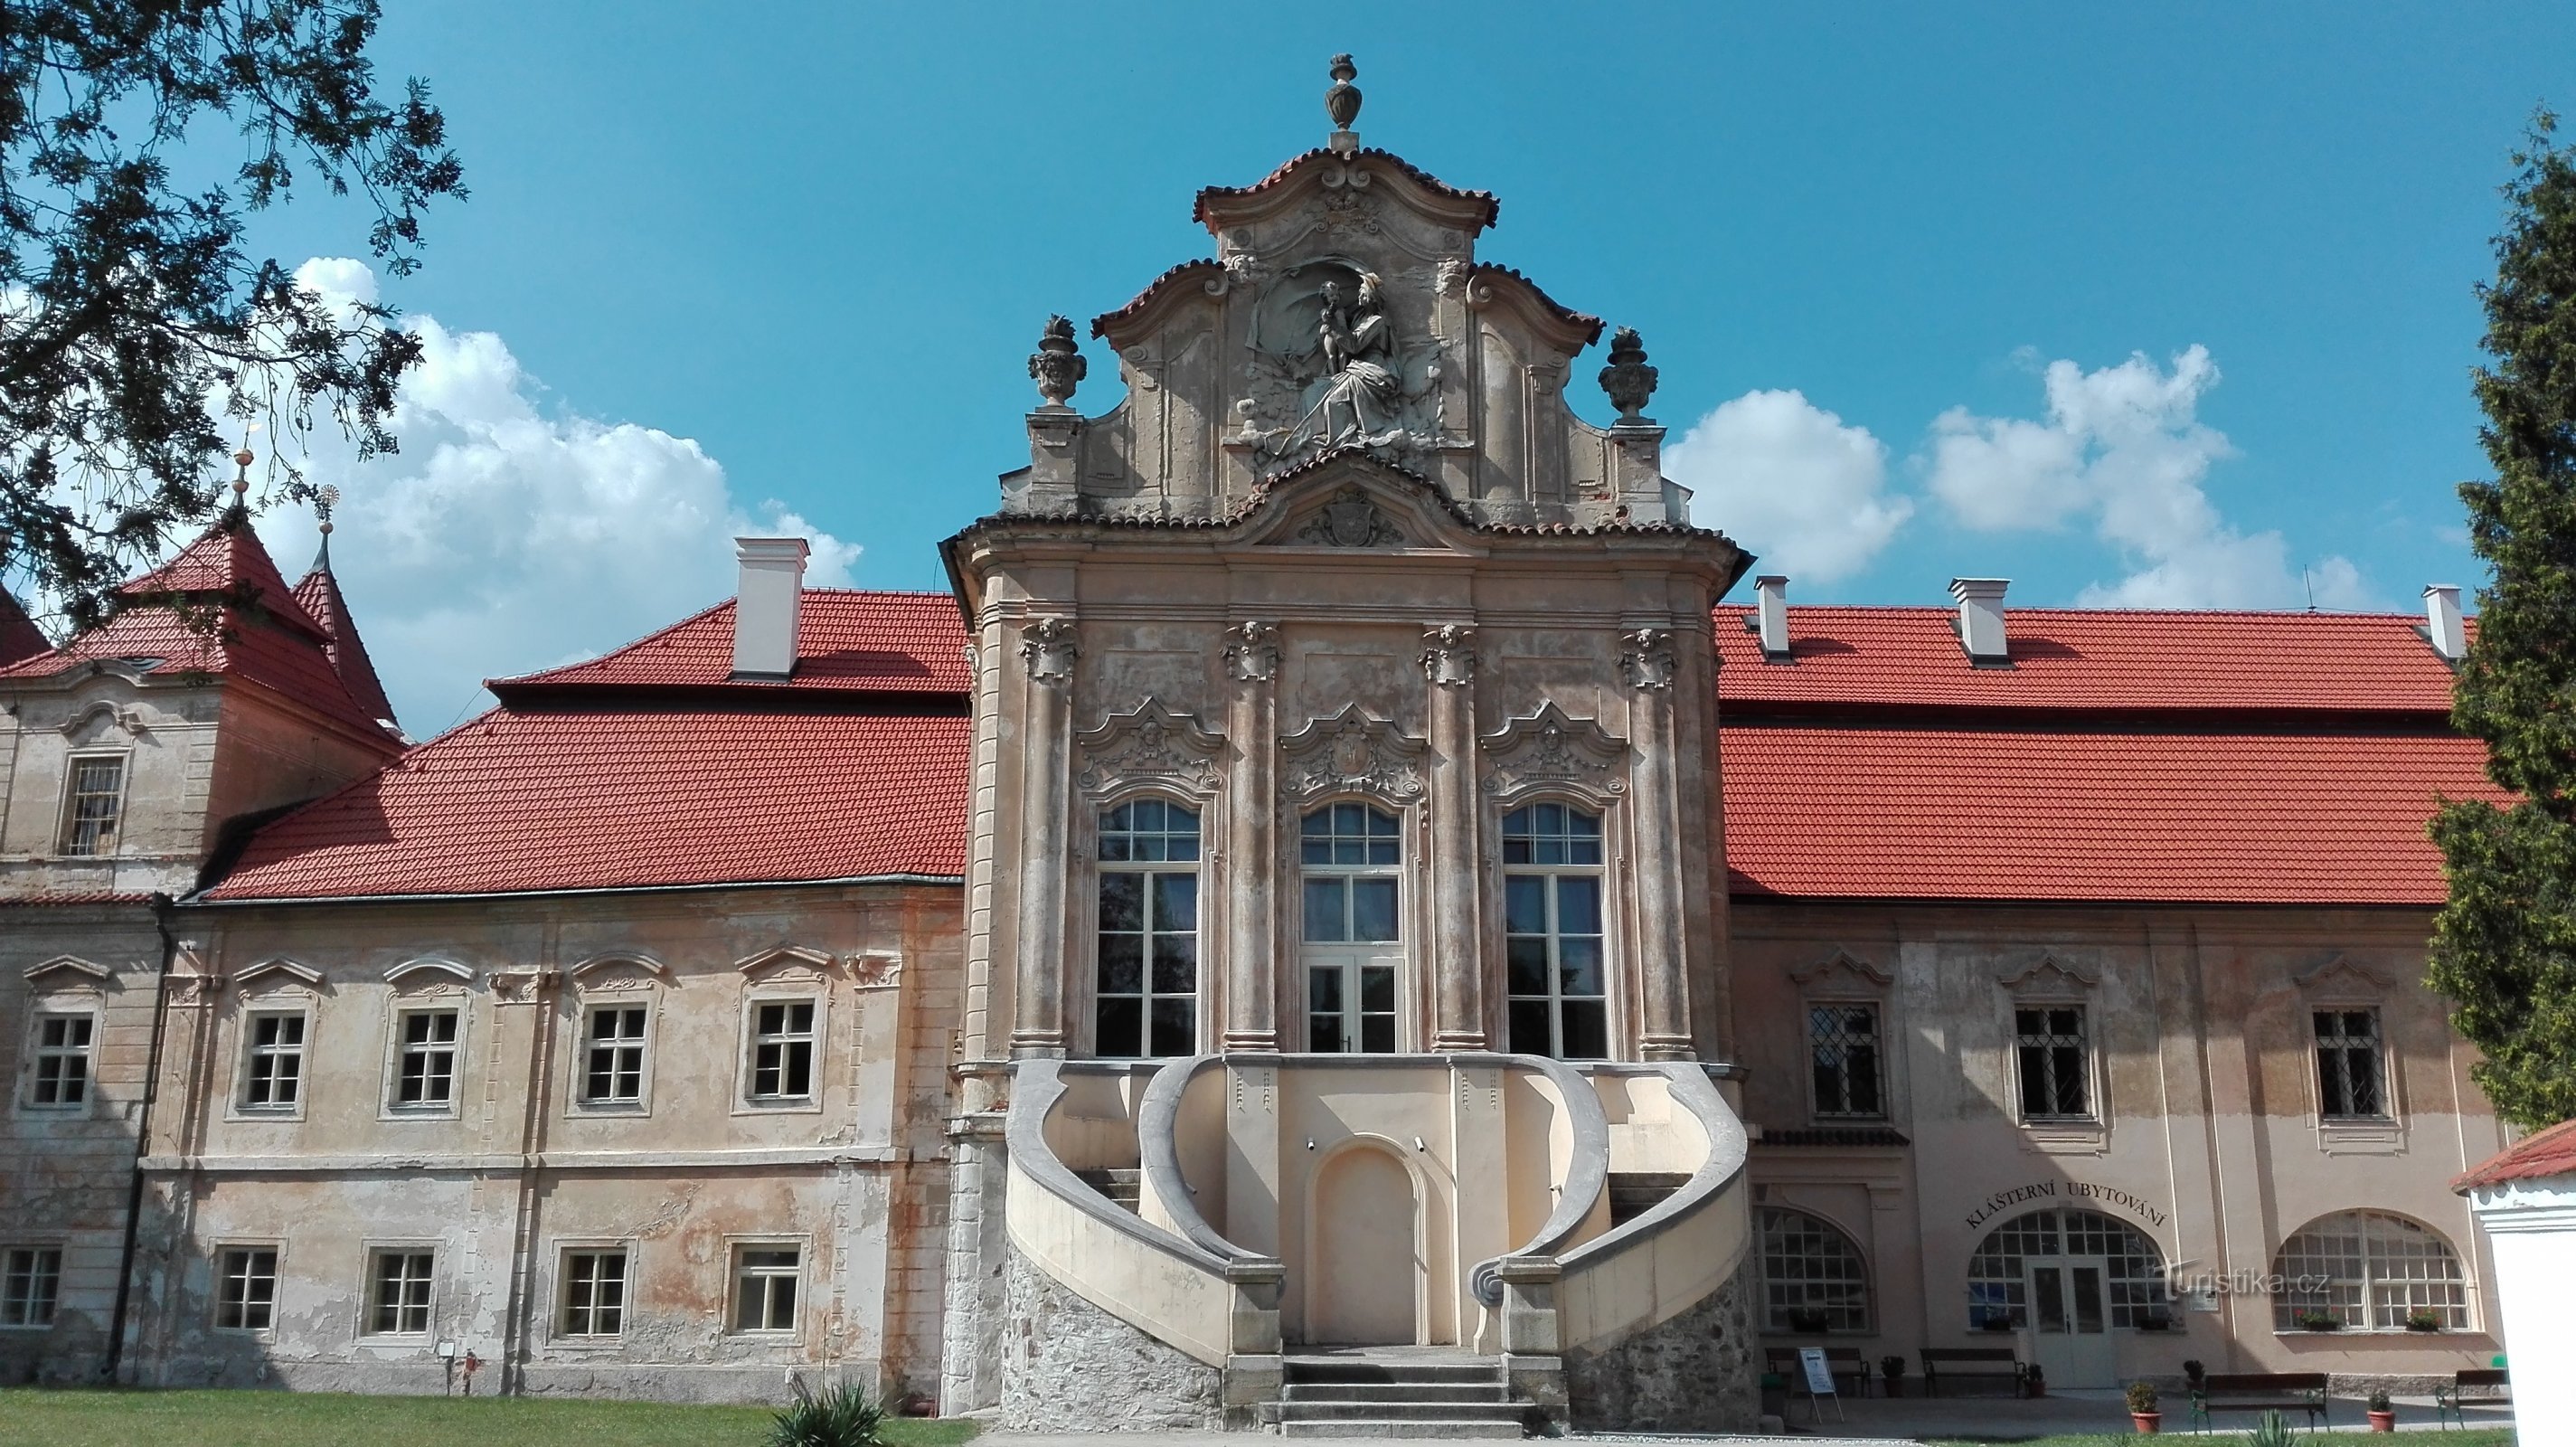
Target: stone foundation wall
(1694, 1373)
(1068, 1366)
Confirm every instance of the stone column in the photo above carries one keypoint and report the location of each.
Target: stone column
(1646, 658)
(1251, 834)
(1047, 645)
(1458, 1006)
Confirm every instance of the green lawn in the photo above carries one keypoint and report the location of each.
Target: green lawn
(2477, 1437)
(318, 1419)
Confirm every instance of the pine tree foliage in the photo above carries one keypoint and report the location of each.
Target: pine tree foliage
(138, 337)
(2504, 947)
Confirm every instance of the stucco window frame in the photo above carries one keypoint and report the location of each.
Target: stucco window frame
(1843, 979)
(123, 754)
(223, 1246)
(62, 1005)
(1411, 871)
(564, 1248)
(1082, 990)
(2053, 983)
(2339, 985)
(1760, 1254)
(370, 1250)
(817, 993)
(62, 1253)
(735, 1246)
(398, 1009)
(284, 1002)
(1619, 925)
(622, 979)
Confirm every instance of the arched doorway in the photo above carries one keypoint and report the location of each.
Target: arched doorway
(1364, 1266)
(2074, 1280)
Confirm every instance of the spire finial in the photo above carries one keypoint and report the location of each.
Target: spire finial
(323, 501)
(1342, 103)
(241, 476)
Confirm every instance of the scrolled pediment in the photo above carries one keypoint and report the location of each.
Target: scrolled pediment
(1352, 750)
(132, 719)
(613, 969)
(2051, 979)
(278, 973)
(1841, 970)
(1552, 748)
(2339, 977)
(429, 973)
(787, 962)
(1150, 744)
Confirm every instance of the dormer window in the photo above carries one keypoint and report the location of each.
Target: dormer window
(95, 806)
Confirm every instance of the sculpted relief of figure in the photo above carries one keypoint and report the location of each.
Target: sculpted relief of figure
(1331, 367)
(1359, 354)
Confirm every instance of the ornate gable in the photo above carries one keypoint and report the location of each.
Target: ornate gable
(1551, 749)
(1150, 744)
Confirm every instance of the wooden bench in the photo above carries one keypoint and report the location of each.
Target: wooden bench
(1846, 1363)
(2261, 1392)
(1980, 1363)
(2471, 1387)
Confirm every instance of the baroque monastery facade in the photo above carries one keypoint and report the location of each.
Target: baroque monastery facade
(1338, 870)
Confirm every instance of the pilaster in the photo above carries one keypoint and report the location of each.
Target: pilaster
(1047, 649)
(1449, 659)
(1251, 866)
(1664, 1032)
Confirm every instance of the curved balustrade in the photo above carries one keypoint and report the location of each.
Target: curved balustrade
(1647, 1271)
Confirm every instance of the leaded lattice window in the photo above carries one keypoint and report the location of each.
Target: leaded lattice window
(2055, 1061)
(1813, 1277)
(96, 806)
(2350, 1067)
(1998, 1275)
(1842, 1046)
(2369, 1270)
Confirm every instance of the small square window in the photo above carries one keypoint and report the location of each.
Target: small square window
(593, 1294)
(273, 1065)
(2351, 1066)
(613, 1056)
(31, 1281)
(782, 1051)
(59, 1064)
(425, 1068)
(398, 1293)
(1842, 1042)
(2055, 1060)
(95, 807)
(246, 1288)
(764, 1287)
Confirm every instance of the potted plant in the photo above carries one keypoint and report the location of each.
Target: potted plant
(2383, 1417)
(2155, 1318)
(2316, 1318)
(2034, 1382)
(1891, 1371)
(1994, 1318)
(1807, 1320)
(2142, 1407)
(2423, 1318)
(2192, 1372)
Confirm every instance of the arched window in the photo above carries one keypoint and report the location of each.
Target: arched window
(1556, 982)
(1147, 1001)
(1999, 1274)
(1813, 1278)
(1352, 926)
(2369, 1270)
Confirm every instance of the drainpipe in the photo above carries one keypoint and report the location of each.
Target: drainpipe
(161, 907)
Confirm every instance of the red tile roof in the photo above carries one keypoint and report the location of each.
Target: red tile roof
(846, 641)
(2552, 1152)
(20, 638)
(626, 798)
(319, 594)
(1486, 204)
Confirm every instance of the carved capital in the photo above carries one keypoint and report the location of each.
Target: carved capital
(1252, 652)
(1646, 656)
(1047, 644)
(1449, 654)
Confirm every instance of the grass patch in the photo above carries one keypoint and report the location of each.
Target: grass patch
(2474, 1437)
(324, 1419)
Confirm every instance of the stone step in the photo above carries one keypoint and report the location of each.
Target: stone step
(1408, 1427)
(1395, 1392)
(1312, 1411)
(1391, 1369)
(1121, 1186)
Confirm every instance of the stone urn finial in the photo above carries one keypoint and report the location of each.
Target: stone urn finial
(1342, 103)
(1628, 379)
(1058, 363)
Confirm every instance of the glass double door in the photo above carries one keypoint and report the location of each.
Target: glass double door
(2070, 1322)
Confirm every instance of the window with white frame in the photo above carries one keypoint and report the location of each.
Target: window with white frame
(1350, 923)
(2369, 1271)
(2055, 1061)
(764, 1287)
(1813, 1277)
(425, 1066)
(1843, 1059)
(782, 1051)
(613, 1056)
(398, 1287)
(273, 1060)
(31, 1281)
(2134, 1268)
(1556, 976)
(1146, 1003)
(591, 1293)
(58, 1066)
(246, 1288)
(94, 805)
(2351, 1068)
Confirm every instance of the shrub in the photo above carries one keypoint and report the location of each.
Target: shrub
(845, 1416)
(2272, 1431)
(2142, 1396)
(2379, 1399)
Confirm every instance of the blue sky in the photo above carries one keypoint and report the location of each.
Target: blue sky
(2164, 304)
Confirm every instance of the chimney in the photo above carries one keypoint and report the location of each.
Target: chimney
(764, 613)
(1771, 615)
(1981, 618)
(2442, 625)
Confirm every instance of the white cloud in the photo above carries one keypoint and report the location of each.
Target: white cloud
(1787, 479)
(2123, 448)
(504, 537)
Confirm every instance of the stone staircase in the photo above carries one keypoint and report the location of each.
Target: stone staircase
(1120, 1186)
(1397, 1394)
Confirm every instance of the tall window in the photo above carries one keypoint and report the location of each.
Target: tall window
(1813, 1278)
(2349, 1068)
(61, 1065)
(1998, 1274)
(782, 1050)
(31, 1280)
(273, 1071)
(764, 1288)
(2369, 1270)
(1558, 995)
(1348, 854)
(594, 1294)
(1842, 1047)
(425, 1075)
(398, 1293)
(1147, 1003)
(2055, 1063)
(96, 806)
(246, 1288)
(613, 1067)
